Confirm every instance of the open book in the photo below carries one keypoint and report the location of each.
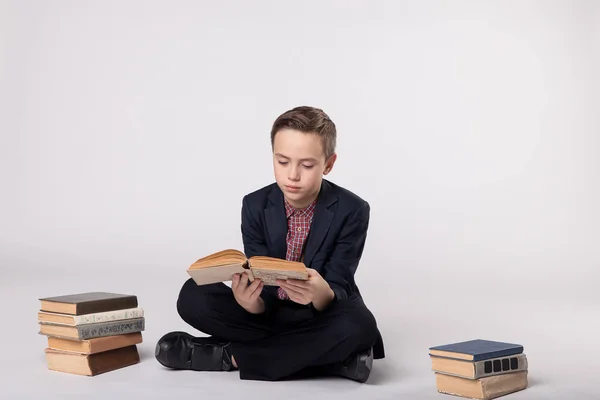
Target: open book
(221, 266)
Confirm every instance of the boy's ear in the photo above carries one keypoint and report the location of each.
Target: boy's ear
(329, 164)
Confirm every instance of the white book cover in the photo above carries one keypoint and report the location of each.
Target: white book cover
(106, 316)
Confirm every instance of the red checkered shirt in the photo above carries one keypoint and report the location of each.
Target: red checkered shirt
(299, 222)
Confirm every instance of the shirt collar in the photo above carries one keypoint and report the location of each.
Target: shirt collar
(306, 211)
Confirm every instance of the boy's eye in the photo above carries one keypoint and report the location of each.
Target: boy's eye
(307, 166)
(282, 162)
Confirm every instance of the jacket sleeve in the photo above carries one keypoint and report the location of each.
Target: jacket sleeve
(342, 265)
(255, 245)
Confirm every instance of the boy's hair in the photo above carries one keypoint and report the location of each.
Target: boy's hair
(309, 120)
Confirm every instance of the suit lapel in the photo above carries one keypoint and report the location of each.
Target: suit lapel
(276, 223)
(321, 221)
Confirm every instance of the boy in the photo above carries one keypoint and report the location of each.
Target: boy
(300, 328)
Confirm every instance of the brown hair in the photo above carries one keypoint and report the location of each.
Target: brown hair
(309, 120)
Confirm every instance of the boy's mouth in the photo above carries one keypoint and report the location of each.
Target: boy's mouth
(292, 188)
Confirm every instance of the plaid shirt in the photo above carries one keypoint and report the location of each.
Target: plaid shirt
(299, 222)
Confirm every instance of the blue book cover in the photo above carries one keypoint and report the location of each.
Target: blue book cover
(476, 350)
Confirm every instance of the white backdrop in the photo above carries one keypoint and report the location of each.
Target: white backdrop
(131, 130)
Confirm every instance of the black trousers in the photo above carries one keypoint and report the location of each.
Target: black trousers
(294, 341)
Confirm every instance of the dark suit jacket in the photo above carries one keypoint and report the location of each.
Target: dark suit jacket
(333, 247)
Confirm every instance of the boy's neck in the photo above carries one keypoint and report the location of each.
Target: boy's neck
(305, 203)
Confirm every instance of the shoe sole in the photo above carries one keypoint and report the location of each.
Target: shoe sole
(363, 370)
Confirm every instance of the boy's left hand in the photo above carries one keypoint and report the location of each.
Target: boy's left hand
(315, 290)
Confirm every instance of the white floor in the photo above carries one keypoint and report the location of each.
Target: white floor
(560, 338)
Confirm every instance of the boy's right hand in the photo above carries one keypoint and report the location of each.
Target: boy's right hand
(248, 296)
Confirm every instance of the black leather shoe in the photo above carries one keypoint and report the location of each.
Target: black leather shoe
(180, 350)
(356, 367)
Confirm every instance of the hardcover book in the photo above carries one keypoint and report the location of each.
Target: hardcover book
(92, 364)
(476, 350)
(88, 303)
(479, 369)
(89, 331)
(484, 388)
(67, 319)
(221, 266)
(94, 345)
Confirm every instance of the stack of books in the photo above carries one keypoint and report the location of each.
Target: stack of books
(91, 333)
(479, 369)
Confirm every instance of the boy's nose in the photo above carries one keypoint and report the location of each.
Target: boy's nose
(293, 174)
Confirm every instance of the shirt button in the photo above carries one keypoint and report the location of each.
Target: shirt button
(299, 229)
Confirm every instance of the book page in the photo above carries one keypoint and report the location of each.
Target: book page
(222, 273)
(276, 264)
(269, 269)
(270, 276)
(221, 258)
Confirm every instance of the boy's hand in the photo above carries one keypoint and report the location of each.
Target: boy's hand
(248, 296)
(315, 290)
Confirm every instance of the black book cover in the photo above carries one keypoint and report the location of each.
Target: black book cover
(94, 302)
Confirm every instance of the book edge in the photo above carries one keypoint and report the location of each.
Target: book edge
(52, 298)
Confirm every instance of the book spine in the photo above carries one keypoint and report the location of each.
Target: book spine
(130, 313)
(113, 359)
(111, 328)
(97, 306)
(500, 365)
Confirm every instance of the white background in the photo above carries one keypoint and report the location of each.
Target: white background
(130, 130)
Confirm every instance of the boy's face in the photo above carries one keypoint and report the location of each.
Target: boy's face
(299, 163)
